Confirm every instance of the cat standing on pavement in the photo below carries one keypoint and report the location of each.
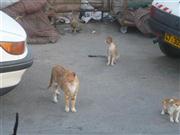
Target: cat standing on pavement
(68, 82)
(172, 107)
(112, 52)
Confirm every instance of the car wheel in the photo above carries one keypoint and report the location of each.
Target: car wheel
(169, 50)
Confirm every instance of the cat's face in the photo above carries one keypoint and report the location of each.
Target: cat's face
(71, 77)
(171, 103)
(109, 40)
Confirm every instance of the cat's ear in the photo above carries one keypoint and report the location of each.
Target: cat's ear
(74, 74)
(176, 104)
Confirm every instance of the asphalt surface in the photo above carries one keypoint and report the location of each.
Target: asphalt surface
(121, 100)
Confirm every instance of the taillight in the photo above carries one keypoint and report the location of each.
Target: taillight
(14, 48)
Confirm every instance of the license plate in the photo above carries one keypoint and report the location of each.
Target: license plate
(173, 40)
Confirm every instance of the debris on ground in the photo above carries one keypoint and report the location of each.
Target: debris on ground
(89, 12)
(133, 14)
(93, 32)
(137, 18)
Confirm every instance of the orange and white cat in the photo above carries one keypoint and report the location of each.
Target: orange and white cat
(112, 52)
(67, 81)
(172, 107)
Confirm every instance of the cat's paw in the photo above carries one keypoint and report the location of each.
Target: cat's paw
(57, 92)
(67, 109)
(55, 100)
(112, 64)
(177, 121)
(108, 64)
(162, 112)
(73, 110)
(171, 120)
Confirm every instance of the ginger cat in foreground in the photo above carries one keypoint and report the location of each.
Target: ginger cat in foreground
(172, 107)
(112, 53)
(67, 81)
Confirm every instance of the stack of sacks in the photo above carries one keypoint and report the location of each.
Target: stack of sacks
(29, 13)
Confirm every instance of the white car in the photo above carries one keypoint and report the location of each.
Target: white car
(15, 56)
(165, 21)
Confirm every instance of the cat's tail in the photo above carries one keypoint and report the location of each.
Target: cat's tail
(51, 81)
(100, 56)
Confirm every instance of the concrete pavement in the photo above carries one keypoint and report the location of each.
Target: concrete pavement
(120, 100)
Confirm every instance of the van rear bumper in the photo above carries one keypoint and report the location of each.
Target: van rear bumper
(161, 28)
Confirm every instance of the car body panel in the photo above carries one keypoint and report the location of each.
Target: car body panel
(165, 20)
(8, 57)
(11, 78)
(15, 65)
(10, 30)
(171, 6)
(12, 67)
(165, 16)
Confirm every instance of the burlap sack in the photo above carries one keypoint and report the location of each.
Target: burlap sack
(35, 22)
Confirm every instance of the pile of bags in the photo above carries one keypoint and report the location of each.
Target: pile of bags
(29, 13)
(137, 14)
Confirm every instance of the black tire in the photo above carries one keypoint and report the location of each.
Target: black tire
(168, 50)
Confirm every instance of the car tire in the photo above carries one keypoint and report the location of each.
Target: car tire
(169, 50)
